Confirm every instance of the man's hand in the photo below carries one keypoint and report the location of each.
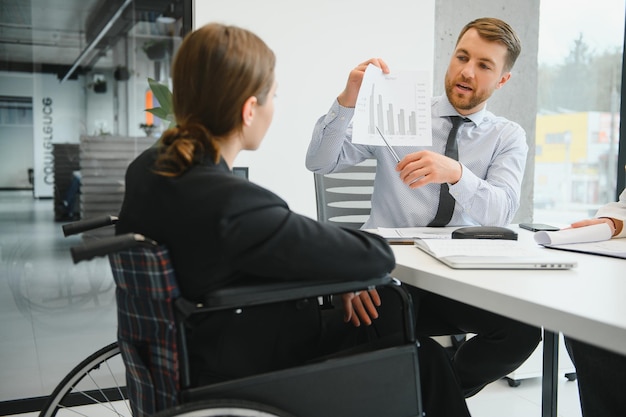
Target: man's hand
(360, 307)
(423, 167)
(348, 96)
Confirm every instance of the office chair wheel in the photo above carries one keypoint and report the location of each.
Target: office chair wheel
(223, 408)
(513, 383)
(96, 386)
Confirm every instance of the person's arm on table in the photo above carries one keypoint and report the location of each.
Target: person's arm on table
(348, 254)
(263, 236)
(612, 214)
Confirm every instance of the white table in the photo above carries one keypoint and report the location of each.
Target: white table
(587, 302)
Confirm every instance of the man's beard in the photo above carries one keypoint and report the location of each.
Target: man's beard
(468, 102)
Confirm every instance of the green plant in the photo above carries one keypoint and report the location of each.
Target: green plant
(164, 96)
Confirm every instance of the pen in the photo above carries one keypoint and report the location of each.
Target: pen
(395, 155)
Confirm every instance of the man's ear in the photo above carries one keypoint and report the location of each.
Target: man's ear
(248, 110)
(505, 77)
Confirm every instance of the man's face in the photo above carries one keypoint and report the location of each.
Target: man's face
(475, 71)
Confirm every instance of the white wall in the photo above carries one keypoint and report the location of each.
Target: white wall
(317, 44)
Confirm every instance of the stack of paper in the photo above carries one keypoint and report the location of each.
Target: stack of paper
(406, 235)
(416, 232)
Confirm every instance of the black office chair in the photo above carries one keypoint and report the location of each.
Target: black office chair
(157, 371)
(344, 198)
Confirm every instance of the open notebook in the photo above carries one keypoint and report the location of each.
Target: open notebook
(492, 254)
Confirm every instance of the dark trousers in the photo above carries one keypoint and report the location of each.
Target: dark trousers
(237, 343)
(441, 393)
(601, 376)
(500, 346)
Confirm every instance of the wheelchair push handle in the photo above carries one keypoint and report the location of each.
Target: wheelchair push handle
(107, 245)
(88, 224)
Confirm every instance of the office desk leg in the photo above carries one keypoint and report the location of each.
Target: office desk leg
(550, 373)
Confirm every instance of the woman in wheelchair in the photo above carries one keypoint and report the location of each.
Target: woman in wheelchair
(222, 229)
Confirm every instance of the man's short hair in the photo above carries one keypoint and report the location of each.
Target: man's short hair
(496, 30)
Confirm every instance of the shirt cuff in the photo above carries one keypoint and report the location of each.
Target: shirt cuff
(617, 224)
(466, 187)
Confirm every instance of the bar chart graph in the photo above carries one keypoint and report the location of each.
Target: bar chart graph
(398, 104)
(389, 118)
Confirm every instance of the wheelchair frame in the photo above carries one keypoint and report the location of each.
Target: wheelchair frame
(246, 396)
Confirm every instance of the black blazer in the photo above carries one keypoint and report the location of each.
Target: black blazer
(220, 228)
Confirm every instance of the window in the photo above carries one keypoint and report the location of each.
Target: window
(578, 119)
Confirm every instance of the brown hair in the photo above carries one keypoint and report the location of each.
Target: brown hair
(216, 69)
(496, 30)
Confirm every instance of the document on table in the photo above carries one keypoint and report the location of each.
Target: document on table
(615, 248)
(593, 233)
(409, 234)
(398, 104)
(595, 239)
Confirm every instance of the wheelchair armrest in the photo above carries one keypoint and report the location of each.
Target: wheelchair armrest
(88, 224)
(107, 245)
(255, 293)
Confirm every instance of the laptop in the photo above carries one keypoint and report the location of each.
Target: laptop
(492, 254)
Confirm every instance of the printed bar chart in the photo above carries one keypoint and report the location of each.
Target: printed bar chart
(391, 119)
(398, 104)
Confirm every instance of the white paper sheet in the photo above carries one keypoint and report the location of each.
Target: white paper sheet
(398, 104)
(593, 233)
(416, 232)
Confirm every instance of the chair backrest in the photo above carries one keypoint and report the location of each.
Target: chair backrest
(146, 289)
(344, 197)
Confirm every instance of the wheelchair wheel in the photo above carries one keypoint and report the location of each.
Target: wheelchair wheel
(223, 408)
(96, 386)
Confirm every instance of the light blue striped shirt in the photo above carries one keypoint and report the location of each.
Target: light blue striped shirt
(492, 151)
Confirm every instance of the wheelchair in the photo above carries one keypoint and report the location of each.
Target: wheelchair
(146, 371)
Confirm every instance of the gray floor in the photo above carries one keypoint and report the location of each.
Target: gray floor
(55, 313)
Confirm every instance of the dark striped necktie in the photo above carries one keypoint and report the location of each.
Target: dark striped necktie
(446, 201)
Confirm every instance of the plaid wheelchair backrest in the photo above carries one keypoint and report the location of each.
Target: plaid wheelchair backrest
(145, 292)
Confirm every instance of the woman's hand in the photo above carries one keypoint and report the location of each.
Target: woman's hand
(360, 307)
(600, 220)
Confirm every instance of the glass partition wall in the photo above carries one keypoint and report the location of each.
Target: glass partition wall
(72, 72)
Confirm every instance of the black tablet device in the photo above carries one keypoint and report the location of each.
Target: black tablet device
(484, 232)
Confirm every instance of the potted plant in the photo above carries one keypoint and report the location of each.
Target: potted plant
(164, 96)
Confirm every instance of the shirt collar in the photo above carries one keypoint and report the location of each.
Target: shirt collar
(445, 109)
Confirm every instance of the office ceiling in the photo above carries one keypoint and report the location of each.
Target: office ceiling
(50, 35)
